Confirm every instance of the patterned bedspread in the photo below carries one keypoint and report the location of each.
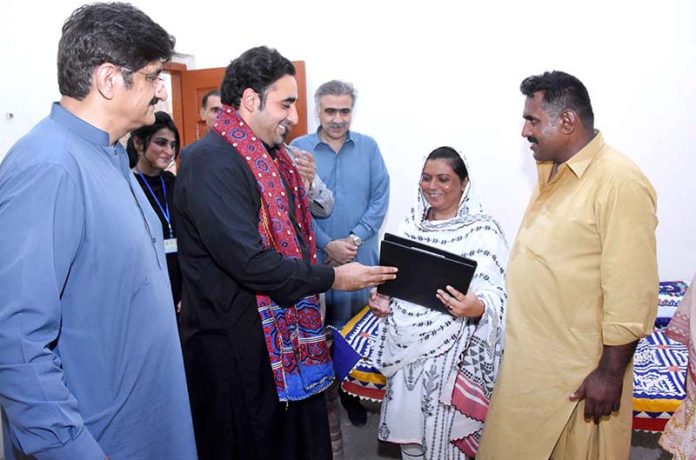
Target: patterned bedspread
(363, 380)
(659, 368)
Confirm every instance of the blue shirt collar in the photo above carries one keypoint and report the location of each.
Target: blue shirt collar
(79, 126)
(349, 137)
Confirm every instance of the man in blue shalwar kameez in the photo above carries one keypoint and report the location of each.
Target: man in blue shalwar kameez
(351, 166)
(90, 361)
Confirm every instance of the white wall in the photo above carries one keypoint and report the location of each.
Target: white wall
(440, 75)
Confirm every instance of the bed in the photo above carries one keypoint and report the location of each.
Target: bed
(659, 370)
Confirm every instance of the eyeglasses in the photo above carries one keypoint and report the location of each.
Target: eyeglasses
(154, 77)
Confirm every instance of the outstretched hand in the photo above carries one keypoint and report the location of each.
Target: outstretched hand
(353, 276)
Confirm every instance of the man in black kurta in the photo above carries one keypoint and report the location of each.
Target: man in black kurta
(224, 265)
(235, 404)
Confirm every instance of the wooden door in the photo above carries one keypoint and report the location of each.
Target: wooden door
(196, 83)
(300, 129)
(175, 71)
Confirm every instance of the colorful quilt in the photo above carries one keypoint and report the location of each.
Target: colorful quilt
(671, 293)
(360, 334)
(659, 367)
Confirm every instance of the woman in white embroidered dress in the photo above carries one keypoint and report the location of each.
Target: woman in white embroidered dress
(440, 367)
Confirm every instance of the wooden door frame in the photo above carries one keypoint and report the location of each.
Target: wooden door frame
(300, 129)
(175, 69)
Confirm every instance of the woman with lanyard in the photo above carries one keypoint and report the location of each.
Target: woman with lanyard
(151, 150)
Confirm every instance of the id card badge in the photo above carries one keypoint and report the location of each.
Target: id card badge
(170, 246)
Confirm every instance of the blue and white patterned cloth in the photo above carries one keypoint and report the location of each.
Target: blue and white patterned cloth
(659, 366)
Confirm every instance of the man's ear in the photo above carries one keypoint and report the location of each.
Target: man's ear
(104, 79)
(569, 120)
(249, 100)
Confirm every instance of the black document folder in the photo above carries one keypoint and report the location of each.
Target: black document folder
(423, 270)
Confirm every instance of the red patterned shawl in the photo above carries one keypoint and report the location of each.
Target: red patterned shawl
(295, 340)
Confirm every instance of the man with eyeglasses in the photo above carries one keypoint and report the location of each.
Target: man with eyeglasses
(91, 364)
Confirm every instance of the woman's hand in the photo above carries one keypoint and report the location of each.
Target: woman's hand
(460, 304)
(379, 304)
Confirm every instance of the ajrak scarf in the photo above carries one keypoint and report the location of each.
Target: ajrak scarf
(294, 335)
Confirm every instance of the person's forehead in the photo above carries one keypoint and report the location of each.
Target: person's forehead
(152, 67)
(438, 166)
(534, 103)
(213, 101)
(331, 101)
(164, 132)
(536, 99)
(284, 88)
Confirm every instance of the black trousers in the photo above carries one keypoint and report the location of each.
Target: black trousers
(236, 412)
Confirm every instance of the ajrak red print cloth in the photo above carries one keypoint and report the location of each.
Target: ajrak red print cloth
(295, 340)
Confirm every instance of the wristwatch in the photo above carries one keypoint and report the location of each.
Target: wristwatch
(356, 239)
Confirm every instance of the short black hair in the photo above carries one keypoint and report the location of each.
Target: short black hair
(561, 91)
(453, 159)
(145, 133)
(204, 101)
(117, 33)
(257, 68)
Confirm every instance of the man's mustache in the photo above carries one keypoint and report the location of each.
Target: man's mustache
(532, 140)
(155, 100)
(337, 125)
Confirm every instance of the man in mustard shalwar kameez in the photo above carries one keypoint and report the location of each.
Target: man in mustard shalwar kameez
(582, 285)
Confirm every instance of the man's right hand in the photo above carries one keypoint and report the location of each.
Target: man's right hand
(341, 251)
(305, 166)
(354, 276)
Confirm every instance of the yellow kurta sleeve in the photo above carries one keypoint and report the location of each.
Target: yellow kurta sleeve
(629, 280)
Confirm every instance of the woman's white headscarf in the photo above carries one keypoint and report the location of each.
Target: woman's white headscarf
(471, 233)
(470, 210)
(412, 332)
